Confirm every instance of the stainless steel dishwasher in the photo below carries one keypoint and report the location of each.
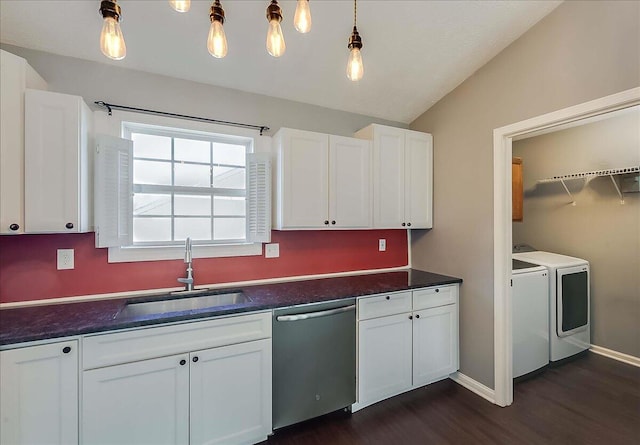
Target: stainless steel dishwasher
(314, 360)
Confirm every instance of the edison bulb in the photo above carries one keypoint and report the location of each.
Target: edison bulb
(355, 69)
(112, 40)
(275, 39)
(217, 40)
(302, 17)
(180, 5)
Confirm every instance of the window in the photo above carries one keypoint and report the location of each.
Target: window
(160, 185)
(187, 184)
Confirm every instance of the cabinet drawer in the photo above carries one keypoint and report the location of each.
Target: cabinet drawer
(386, 304)
(434, 297)
(123, 347)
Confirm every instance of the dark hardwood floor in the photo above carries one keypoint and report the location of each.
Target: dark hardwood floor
(591, 400)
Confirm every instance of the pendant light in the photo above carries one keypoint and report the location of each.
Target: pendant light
(302, 17)
(111, 38)
(355, 69)
(180, 5)
(275, 39)
(217, 40)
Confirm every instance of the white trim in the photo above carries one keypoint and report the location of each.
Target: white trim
(615, 355)
(502, 236)
(153, 253)
(138, 293)
(474, 386)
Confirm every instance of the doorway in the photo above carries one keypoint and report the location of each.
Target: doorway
(502, 212)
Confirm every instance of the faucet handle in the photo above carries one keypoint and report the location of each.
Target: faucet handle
(185, 280)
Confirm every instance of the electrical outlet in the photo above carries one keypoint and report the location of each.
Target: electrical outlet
(65, 259)
(382, 245)
(272, 250)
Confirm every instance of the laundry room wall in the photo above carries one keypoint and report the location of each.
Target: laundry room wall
(598, 228)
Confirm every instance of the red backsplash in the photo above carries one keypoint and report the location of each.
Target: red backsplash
(28, 263)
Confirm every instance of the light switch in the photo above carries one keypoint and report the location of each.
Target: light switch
(65, 259)
(272, 250)
(382, 245)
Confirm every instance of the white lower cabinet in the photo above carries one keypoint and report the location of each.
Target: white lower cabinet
(231, 394)
(137, 403)
(385, 357)
(400, 349)
(39, 394)
(217, 395)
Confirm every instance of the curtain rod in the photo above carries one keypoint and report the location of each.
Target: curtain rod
(111, 107)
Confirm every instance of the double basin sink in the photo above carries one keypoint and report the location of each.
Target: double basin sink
(181, 301)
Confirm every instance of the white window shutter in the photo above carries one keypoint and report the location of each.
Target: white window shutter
(258, 198)
(113, 191)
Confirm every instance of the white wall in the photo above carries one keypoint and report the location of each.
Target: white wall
(97, 81)
(598, 228)
(583, 50)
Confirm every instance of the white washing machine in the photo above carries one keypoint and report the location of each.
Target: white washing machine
(530, 309)
(569, 302)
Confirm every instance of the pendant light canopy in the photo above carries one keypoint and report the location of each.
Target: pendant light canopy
(217, 40)
(275, 40)
(180, 5)
(111, 39)
(302, 17)
(355, 68)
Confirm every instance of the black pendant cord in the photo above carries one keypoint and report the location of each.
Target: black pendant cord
(109, 107)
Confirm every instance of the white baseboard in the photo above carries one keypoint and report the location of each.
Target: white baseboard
(621, 357)
(474, 386)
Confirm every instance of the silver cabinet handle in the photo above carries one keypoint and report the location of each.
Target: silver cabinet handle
(308, 315)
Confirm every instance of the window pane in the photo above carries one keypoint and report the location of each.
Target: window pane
(192, 150)
(151, 229)
(151, 146)
(151, 172)
(149, 204)
(229, 228)
(192, 175)
(228, 206)
(228, 178)
(228, 154)
(192, 205)
(196, 228)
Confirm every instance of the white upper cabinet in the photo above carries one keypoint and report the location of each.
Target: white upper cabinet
(58, 163)
(322, 181)
(402, 177)
(15, 77)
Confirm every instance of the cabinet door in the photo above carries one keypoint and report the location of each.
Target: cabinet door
(435, 344)
(384, 358)
(52, 162)
(304, 166)
(516, 190)
(418, 180)
(388, 178)
(39, 394)
(144, 402)
(349, 182)
(231, 394)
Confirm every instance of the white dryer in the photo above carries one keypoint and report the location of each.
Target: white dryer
(530, 309)
(569, 302)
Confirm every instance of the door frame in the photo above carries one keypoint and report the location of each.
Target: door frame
(502, 230)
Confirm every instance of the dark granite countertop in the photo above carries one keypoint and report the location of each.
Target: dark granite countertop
(32, 323)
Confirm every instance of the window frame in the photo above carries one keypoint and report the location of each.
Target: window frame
(116, 125)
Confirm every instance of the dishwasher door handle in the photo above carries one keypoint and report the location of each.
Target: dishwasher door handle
(309, 315)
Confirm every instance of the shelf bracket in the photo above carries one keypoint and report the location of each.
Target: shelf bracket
(615, 184)
(573, 201)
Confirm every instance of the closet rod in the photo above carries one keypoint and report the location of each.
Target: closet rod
(109, 107)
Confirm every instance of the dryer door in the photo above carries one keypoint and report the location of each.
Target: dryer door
(572, 288)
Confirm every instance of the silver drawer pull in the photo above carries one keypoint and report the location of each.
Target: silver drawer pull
(309, 315)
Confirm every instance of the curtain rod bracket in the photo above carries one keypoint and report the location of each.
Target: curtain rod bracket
(110, 107)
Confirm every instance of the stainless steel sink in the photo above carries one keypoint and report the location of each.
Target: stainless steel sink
(175, 302)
